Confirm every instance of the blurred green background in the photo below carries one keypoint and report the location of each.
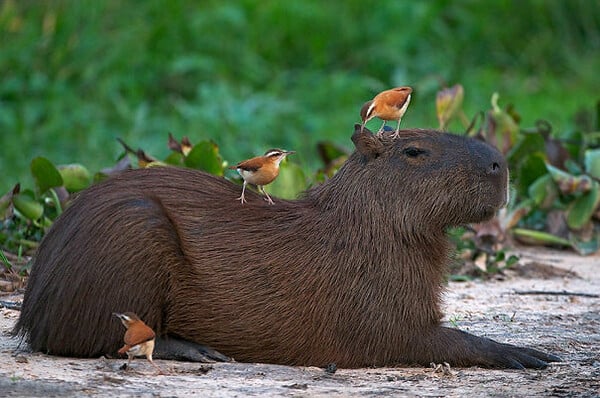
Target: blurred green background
(75, 74)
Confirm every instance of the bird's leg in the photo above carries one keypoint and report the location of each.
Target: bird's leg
(242, 198)
(397, 132)
(149, 357)
(268, 198)
(380, 132)
(129, 359)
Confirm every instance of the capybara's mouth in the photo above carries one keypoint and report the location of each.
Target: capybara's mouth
(489, 211)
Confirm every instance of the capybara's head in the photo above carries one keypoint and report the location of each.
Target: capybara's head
(429, 178)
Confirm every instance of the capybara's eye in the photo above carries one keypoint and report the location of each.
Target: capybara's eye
(413, 152)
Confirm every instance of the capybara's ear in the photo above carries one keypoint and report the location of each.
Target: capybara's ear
(365, 142)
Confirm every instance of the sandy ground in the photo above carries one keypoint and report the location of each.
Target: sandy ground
(566, 325)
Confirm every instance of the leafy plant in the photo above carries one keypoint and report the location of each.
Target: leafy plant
(555, 185)
(556, 182)
(12, 272)
(75, 73)
(7, 264)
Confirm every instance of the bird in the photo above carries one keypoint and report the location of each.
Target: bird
(387, 105)
(261, 170)
(139, 338)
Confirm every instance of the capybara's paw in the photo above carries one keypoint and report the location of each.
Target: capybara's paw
(460, 348)
(514, 357)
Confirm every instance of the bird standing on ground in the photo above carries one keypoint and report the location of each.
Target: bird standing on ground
(387, 105)
(261, 170)
(139, 338)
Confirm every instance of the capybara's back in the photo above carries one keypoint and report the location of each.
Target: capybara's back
(350, 273)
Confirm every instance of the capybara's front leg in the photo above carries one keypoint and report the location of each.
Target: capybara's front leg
(462, 349)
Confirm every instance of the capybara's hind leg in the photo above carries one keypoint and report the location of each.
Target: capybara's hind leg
(184, 350)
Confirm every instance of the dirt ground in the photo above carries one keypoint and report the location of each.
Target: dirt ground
(564, 324)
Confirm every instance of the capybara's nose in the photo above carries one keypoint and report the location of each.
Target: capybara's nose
(494, 168)
(487, 158)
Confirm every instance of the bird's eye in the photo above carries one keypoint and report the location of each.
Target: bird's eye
(413, 152)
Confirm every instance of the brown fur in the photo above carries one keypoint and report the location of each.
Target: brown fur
(350, 273)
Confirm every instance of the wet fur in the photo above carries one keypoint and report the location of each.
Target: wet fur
(350, 273)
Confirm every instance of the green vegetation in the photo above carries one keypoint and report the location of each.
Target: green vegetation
(555, 199)
(252, 75)
(240, 77)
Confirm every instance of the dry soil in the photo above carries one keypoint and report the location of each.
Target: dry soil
(565, 324)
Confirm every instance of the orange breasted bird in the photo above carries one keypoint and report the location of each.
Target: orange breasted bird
(261, 170)
(139, 338)
(387, 105)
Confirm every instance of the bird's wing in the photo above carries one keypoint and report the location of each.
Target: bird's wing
(250, 165)
(138, 335)
(124, 349)
(395, 98)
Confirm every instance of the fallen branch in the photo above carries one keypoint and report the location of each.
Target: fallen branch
(555, 293)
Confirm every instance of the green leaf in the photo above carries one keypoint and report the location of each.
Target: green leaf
(573, 167)
(543, 192)
(592, 162)
(568, 183)
(174, 159)
(539, 238)
(55, 202)
(290, 182)
(205, 156)
(575, 142)
(460, 278)
(587, 246)
(75, 177)
(506, 128)
(6, 200)
(582, 208)
(45, 174)
(26, 204)
(528, 171)
(7, 264)
(537, 190)
(526, 145)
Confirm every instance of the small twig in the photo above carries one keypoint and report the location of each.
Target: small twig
(556, 293)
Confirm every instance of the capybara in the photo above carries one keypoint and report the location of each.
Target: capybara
(350, 273)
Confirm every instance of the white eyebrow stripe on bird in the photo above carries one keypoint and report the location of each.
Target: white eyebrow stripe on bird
(368, 114)
(271, 153)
